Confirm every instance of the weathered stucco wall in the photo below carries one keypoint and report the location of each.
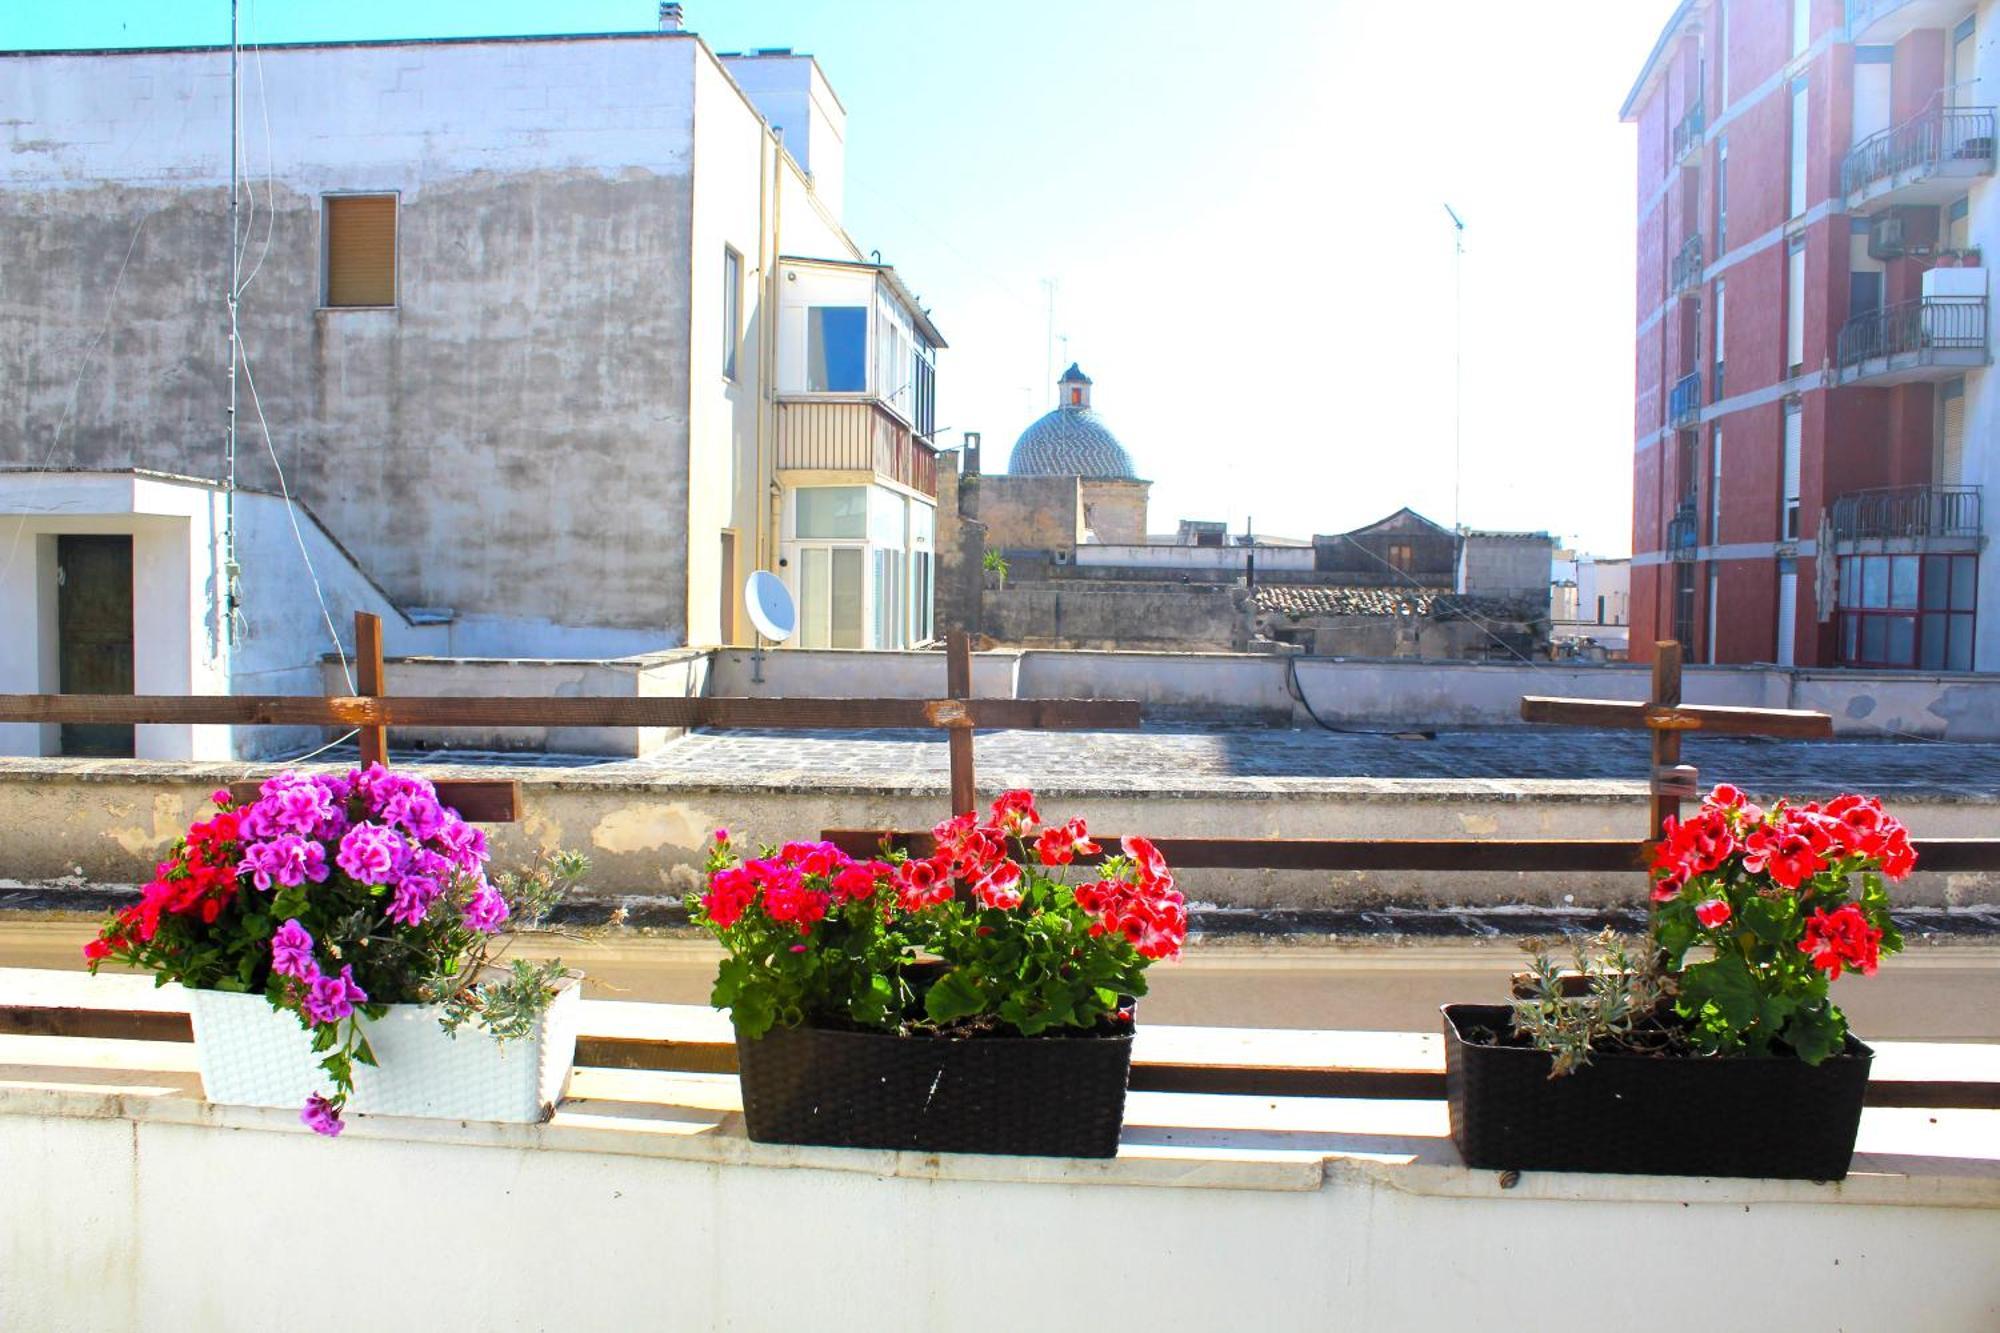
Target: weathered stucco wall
(1199, 617)
(1115, 511)
(1031, 513)
(511, 439)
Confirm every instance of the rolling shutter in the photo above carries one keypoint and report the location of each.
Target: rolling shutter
(361, 250)
(1951, 445)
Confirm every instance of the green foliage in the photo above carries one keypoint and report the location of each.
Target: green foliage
(996, 564)
(1609, 994)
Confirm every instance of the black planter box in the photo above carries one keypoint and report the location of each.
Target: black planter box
(1058, 1096)
(1647, 1115)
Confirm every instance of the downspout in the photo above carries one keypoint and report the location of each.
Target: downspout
(774, 500)
(766, 323)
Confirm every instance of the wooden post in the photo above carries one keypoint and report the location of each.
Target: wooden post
(1670, 780)
(958, 685)
(368, 680)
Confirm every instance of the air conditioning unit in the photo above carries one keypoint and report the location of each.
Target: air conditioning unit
(1885, 235)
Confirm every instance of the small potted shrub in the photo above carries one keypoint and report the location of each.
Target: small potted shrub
(1714, 1049)
(339, 941)
(972, 1000)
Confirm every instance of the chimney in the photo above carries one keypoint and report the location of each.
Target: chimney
(971, 453)
(670, 16)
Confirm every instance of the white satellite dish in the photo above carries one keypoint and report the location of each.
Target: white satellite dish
(770, 605)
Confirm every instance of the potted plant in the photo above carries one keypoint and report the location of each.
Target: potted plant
(1732, 1061)
(337, 936)
(995, 566)
(971, 1000)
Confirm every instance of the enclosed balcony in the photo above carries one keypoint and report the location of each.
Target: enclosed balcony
(1927, 160)
(1907, 518)
(854, 437)
(1683, 533)
(1684, 403)
(1687, 133)
(1934, 338)
(1882, 22)
(1684, 274)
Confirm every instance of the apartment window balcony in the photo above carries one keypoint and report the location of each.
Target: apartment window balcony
(1922, 161)
(1687, 133)
(854, 437)
(1684, 403)
(1684, 274)
(1683, 534)
(1933, 338)
(1908, 519)
(1882, 22)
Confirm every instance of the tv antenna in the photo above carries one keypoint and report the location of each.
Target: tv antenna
(1457, 360)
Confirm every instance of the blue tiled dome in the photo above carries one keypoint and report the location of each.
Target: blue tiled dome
(1071, 441)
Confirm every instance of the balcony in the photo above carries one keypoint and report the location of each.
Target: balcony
(1684, 403)
(1684, 274)
(1687, 133)
(1927, 160)
(1683, 534)
(854, 436)
(1934, 338)
(1907, 518)
(1882, 22)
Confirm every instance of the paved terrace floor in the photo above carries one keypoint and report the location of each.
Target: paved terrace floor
(1167, 757)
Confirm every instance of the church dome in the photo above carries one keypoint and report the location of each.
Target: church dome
(1071, 441)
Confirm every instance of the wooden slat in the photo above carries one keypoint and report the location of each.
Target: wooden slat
(540, 711)
(477, 800)
(370, 681)
(1624, 714)
(958, 686)
(43, 1020)
(1664, 801)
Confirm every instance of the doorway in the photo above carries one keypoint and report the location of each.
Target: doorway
(94, 635)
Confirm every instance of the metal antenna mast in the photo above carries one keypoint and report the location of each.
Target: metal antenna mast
(1457, 361)
(235, 350)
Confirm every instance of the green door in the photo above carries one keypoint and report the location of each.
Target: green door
(94, 634)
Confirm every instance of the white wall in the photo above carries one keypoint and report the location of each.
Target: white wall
(1981, 465)
(797, 100)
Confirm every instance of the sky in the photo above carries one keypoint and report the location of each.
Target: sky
(1239, 209)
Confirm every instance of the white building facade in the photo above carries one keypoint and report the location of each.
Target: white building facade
(530, 323)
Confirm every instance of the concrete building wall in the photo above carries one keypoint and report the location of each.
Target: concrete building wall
(532, 380)
(1031, 513)
(1073, 615)
(1506, 564)
(1982, 387)
(1115, 511)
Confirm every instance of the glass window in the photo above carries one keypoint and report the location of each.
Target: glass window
(1958, 649)
(1903, 580)
(831, 511)
(846, 599)
(1902, 639)
(815, 606)
(1937, 583)
(1874, 581)
(732, 309)
(1963, 570)
(1936, 630)
(1874, 638)
(1800, 127)
(837, 349)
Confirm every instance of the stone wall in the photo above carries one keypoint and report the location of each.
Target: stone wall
(1031, 513)
(1115, 511)
(1199, 617)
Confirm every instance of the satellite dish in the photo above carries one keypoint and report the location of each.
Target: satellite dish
(770, 605)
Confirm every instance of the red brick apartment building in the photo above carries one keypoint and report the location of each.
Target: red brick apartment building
(1810, 418)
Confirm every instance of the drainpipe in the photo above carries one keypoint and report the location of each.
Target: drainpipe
(773, 498)
(765, 322)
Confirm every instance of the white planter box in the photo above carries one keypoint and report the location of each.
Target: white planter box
(253, 1055)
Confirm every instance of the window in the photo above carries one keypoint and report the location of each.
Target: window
(1799, 129)
(732, 309)
(923, 594)
(1795, 307)
(1801, 26)
(1958, 225)
(1722, 47)
(1912, 611)
(836, 349)
(1873, 107)
(830, 597)
(1721, 197)
(1788, 612)
(1715, 395)
(1684, 602)
(925, 417)
(1402, 556)
(360, 249)
(1715, 487)
(1951, 433)
(836, 512)
(1714, 600)
(1794, 436)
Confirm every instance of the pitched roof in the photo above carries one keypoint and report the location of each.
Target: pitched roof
(1298, 601)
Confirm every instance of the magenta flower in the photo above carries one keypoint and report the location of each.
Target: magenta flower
(463, 844)
(321, 1116)
(289, 860)
(372, 854)
(330, 999)
(292, 952)
(414, 896)
(722, 835)
(486, 910)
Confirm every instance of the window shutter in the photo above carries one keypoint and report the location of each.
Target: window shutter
(361, 250)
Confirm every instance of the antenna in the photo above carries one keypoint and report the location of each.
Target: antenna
(228, 589)
(1457, 360)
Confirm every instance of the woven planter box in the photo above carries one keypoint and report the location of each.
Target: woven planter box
(1648, 1115)
(1022, 1096)
(253, 1055)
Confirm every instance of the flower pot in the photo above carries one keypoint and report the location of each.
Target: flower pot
(253, 1055)
(1048, 1096)
(1649, 1115)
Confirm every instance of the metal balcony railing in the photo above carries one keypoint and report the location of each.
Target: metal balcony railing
(1683, 533)
(1684, 274)
(1861, 13)
(1684, 403)
(1941, 135)
(1894, 513)
(1921, 327)
(1687, 132)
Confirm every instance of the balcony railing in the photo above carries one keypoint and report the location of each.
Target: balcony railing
(1687, 132)
(1951, 142)
(854, 437)
(1684, 403)
(1683, 534)
(1899, 341)
(1882, 22)
(1906, 513)
(1685, 272)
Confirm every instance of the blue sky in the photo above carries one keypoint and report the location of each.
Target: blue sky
(1240, 206)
